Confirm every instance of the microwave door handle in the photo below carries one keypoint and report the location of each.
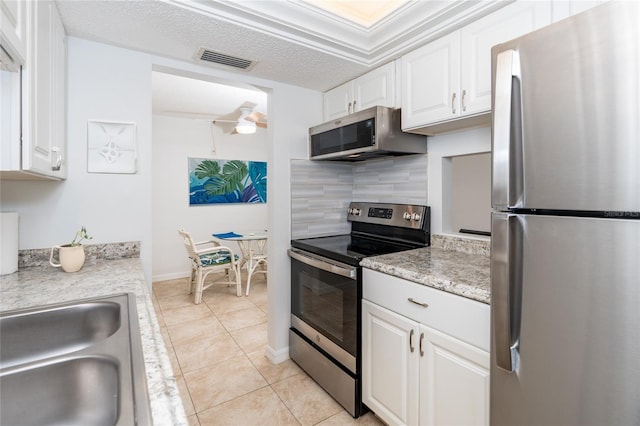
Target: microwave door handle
(507, 130)
(348, 272)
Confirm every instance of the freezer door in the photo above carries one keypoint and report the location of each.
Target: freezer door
(566, 124)
(565, 329)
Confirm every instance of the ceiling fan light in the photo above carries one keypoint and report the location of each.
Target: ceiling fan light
(246, 127)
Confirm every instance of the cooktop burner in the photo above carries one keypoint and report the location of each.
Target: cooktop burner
(376, 229)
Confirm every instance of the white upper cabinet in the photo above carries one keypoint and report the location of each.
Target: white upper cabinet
(13, 28)
(338, 101)
(41, 149)
(450, 78)
(377, 87)
(430, 80)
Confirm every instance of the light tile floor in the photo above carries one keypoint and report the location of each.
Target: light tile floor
(217, 353)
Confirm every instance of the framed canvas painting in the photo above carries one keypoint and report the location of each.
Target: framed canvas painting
(227, 181)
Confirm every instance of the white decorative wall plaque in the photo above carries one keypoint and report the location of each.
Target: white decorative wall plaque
(111, 147)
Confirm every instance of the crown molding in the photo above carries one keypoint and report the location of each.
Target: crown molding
(413, 24)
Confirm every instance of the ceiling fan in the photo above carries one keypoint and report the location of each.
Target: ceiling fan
(248, 121)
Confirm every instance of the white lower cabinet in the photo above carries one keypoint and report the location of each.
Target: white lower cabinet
(413, 373)
(454, 381)
(390, 365)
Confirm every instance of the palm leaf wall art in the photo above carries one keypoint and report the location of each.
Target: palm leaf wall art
(227, 181)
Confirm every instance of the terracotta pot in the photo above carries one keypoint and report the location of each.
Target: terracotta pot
(71, 257)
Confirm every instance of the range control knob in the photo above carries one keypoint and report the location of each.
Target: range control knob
(354, 211)
(406, 216)
(415, 216)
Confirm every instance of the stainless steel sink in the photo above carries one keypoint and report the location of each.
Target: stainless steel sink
(55, 331)
(77, 363)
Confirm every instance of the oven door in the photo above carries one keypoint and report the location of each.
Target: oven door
(324, 304)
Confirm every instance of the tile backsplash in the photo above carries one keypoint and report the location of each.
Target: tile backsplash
(320, 196)
(401, 180)
(322, 190)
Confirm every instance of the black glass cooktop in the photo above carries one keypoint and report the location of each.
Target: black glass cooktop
(350, 249)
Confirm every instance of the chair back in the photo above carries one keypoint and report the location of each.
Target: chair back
(190, 246)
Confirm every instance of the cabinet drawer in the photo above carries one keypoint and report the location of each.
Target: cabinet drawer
(459, 317)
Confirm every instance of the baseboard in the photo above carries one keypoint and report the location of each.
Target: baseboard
(276, 357)
(172, 276)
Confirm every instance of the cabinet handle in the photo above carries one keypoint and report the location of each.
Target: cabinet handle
(411, 341)
(349, 108)
(57, 163)
(354, 106)
(421, 339)
(453, 103)
(464, 107)
(423, 304)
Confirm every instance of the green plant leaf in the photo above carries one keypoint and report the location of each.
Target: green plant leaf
(217, 186)
(207, 168)
(234, 173)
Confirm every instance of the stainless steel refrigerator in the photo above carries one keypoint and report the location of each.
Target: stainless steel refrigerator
(565, 249)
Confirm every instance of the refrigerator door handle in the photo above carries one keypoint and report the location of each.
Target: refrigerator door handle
(506, 286)
(506, 124)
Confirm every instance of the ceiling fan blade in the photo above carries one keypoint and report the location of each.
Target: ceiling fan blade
(261, 124)
(257, 117)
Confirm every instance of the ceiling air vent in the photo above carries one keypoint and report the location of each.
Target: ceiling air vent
(211, 56)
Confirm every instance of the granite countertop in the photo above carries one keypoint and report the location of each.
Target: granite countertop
(43, 285)
(457, 272)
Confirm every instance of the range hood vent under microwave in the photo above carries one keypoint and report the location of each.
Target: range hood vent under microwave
(371, 133)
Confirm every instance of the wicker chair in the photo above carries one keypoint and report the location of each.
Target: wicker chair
(210, 257)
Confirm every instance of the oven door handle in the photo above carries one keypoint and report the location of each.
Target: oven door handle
(340, 269)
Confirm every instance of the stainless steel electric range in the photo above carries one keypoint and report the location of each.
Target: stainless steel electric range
(326, 292)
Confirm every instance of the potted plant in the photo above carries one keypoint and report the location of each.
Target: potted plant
(71, 256)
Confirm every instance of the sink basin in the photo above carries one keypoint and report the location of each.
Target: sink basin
(89, 385)
(77, 363)
(55, 331)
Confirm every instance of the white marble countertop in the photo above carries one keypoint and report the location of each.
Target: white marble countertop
(37, 286)
(455, 272)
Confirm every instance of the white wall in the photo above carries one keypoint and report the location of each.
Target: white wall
(111, 83)
(175, 139)
(104, 83)
(440, 149)
(471, 192)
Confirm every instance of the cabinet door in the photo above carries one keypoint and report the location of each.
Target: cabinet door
(454, 381)
(476, 41)
(338, 102)
(59, 90)
(13, 28)
(377, 87)
(389, 365)
(430, 78)
(43, 92)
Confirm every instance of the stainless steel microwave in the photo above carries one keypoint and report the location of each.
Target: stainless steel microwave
(371, 133)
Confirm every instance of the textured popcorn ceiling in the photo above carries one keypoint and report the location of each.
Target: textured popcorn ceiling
(292, 41)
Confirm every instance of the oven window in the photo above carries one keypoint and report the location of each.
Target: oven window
(327, 302)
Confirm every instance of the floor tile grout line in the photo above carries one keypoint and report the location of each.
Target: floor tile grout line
(246, 354)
